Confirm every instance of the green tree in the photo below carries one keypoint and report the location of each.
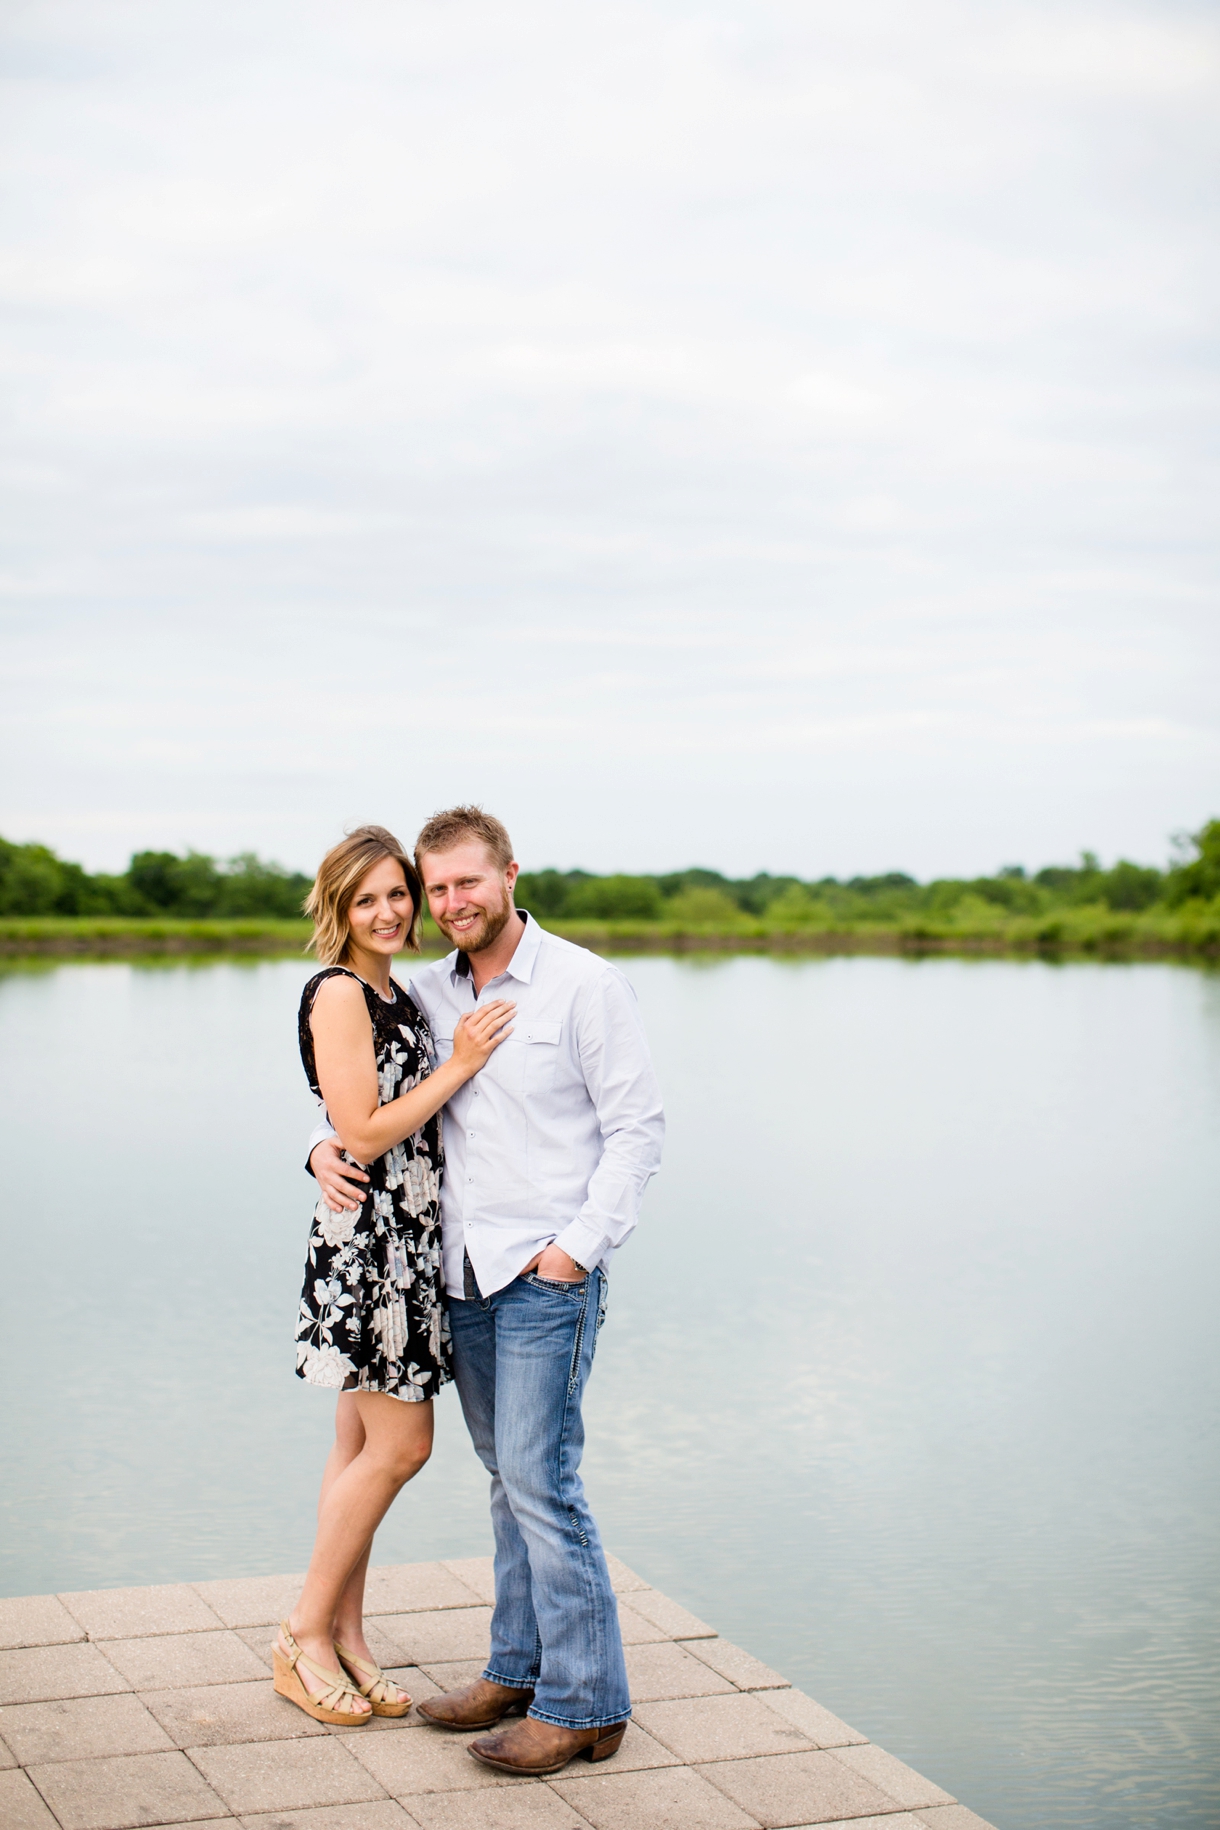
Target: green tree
(545, 893)
(168, 885)
(616, 898)
(1130, 886)
(34, 881)
(701, 904)
(796, 904)
(756, 894)
(248, 886)
(31, 879)
(1200, 875)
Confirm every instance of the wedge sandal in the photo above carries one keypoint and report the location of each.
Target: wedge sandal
(322, 1707)
(377, 1689)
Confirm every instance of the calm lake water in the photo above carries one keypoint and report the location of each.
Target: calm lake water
(909, 1382)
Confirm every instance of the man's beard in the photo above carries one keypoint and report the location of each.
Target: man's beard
(493, 925)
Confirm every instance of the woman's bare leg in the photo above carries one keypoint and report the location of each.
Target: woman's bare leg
(380, 1442)
(348, 1625)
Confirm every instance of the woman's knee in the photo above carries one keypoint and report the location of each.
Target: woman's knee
(403, 1460)
(349, 1425)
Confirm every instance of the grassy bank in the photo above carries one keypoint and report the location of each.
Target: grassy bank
(1189, 932)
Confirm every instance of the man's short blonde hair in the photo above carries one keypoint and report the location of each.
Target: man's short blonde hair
(445, 830)
(340, 875)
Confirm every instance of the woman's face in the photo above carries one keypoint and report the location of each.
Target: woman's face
(380, 912)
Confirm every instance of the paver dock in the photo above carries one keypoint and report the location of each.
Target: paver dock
(153, 1706)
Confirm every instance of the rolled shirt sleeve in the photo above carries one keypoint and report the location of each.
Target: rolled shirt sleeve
(321, 1131)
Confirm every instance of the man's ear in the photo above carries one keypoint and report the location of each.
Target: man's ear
(511, 875)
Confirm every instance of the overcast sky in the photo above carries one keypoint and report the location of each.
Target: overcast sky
(776, 435)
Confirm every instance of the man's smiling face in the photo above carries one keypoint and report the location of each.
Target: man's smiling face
(469, 896)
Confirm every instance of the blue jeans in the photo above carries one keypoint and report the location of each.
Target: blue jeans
(521, 1359)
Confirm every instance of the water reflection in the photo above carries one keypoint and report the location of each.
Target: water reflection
(908, 1374)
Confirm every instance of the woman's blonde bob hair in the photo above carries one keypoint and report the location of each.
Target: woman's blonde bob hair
(340, 875)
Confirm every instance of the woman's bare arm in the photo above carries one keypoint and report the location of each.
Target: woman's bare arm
(347, 1068)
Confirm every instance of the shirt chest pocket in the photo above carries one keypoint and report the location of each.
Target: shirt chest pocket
(540, 1054)
(532, 1052)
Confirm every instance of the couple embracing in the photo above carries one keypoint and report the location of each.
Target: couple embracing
(479, 1259)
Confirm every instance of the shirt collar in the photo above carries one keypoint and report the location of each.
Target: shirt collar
(520, 966)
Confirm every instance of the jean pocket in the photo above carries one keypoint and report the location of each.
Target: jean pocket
(554, 1283)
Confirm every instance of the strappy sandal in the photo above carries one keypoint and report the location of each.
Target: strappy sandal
(323, 1707)
(377, 1682)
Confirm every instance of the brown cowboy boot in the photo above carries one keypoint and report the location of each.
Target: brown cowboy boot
(540, 1748)
(479, 1705)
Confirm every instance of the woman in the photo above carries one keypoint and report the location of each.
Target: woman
(372, 1321)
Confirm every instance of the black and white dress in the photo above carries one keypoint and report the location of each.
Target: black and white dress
(372, 1314)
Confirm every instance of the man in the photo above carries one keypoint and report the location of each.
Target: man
(548, 1150)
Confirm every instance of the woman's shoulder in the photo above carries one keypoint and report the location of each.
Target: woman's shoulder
(335, 986)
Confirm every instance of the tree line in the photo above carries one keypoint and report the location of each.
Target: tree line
(34, 881)
(707, 896)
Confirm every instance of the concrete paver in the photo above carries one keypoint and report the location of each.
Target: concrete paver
(386, 1642)
(671, 1798)
(721, 1728)
(21, 1805)
(41, 1673)
(901, 1820)
(478, 1573)
(665, 1670)
(622, 1579)
(424, 1760)
(674, 1621)
(442, 1634)
(407, 1588)
(286, 1775)
(169, 1607)
(117, 1794)
(225, 1715)
(172, 1661)
(170, 1718)
(251, 1601)
(787, 1789)
(378, 1814)
(951, 1817)
(505, 1808)
(414, 1680)
(211, 1823)
(637, 1631)
(904, 1785)
(453, 1674)
(740, 1667)
(82, 1727)
(639, 1750)
(36, 1620)
(823, 1729)
(260, 1641)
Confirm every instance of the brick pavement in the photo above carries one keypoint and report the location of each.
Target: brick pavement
(153, 1706)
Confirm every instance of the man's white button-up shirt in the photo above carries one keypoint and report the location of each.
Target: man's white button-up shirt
(555, 1139)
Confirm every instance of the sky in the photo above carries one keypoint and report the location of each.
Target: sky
(774, 436)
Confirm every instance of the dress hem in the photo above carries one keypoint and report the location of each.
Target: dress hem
(411, 1397)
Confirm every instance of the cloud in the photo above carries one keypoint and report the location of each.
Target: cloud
(780, 437)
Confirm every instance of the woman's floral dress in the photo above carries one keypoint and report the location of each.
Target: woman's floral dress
(372, 1314)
